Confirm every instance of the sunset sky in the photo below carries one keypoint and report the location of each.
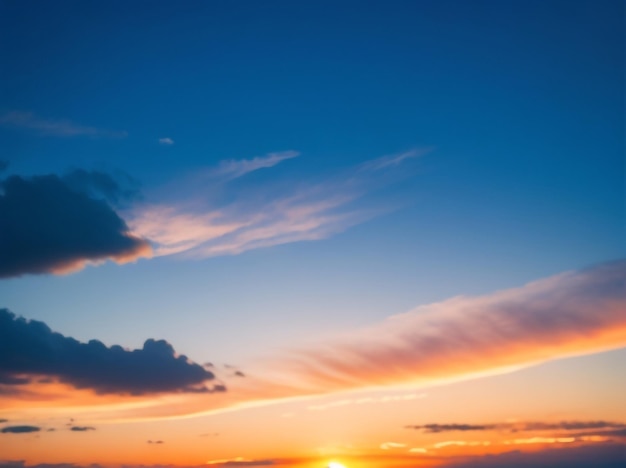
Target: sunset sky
(311, 234)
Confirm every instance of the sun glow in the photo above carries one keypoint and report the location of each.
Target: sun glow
(335, 465)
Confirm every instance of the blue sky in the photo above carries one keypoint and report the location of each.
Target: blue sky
(423, 200)
(519, 104)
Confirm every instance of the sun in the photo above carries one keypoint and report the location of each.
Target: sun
(335, 465)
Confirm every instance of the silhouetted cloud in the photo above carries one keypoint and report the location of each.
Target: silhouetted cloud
(101, 185)
(55, 127)
(519, 426)
(573, 313)
(436, 428)
(584, 456)
(82, 428)
(241, 462)
(157, 442)
(19, 429)
(3, 421)
(52, 224)
(31, 348)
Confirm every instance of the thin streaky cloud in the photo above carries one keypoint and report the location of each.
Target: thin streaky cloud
(199, 228)
(570, 314)
(166, 141)
(233, 168)
(394, 160)
(55, 127)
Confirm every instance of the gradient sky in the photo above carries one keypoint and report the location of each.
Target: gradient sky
(369, 217)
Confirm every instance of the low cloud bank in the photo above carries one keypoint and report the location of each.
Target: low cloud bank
(30, 349)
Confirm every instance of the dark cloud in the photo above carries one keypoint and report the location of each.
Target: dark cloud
(585, 456)
(19, 429)
(31, 348)
(52, 224)
(519, 426)
(249, 463)
(3, 421)
(100, 185)
(436, 428)
(82, 428)
(157, 442)
(239, 374)
(3, 165)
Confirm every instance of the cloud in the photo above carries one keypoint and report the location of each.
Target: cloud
(573, 313)
(166, 141)
(99, 185)
(391, 445)
(519, 426)
(30, 348)
(3, 165)
(394, 160)
(269, 216)
(157, 442)
(436, 428)
(52, 224)
(3, 420)
(233, 168)
(55, 127)
(240, 461)
(19, 429)
(583, 456)
(82, 428)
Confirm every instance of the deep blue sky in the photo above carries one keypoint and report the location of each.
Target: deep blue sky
(522, 103)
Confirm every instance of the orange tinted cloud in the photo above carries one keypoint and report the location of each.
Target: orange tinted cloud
(569, 314)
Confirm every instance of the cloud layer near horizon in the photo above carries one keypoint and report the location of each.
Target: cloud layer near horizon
(53, 224)
(568, 314)
(30, 350)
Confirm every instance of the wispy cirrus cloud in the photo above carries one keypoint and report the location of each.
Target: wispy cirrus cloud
(393, 160)
(166, 141)
(312, 210)
(233, 168)
(55, 127)
(573, 313)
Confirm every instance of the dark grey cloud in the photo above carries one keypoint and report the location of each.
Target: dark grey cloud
(101, 185)
(584, 456)
(436, 428)
(519, 426)
(157, 442)
(19, 429)
(82, 428)
(31, 348)
(249, 463)
(52, 224)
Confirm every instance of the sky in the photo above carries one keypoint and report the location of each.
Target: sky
(346, 234)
